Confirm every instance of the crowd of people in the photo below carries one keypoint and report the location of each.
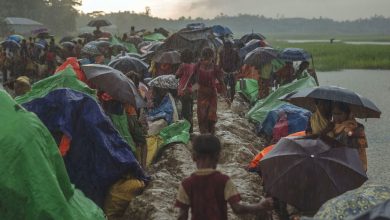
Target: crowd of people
(207, 191)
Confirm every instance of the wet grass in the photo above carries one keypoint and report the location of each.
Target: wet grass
(338, 56)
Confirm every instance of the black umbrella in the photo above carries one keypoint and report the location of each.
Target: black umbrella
(294, 54)
(126, 64)
(248, 37)
(99, 23)
(86, 35)
(361, 107)
(172, 57)
(68, 44)
(11, 44)
(308, 172)
(260, 56)
(379, 212)
(115, 83)
(66, 39)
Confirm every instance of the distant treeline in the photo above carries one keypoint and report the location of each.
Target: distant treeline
(58, 15)
(244, 23)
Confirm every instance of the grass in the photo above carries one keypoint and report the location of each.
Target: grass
(338, 56)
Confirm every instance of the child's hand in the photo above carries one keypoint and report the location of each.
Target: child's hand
(267, 204)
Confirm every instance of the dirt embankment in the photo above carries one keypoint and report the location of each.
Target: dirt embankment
(240, 144)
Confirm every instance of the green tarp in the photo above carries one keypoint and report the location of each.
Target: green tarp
(130, 47)
(64, 79)
(154, 37)
(120, 123)
(176, 132)
(34, 183)
(259, 112)
(250, 91)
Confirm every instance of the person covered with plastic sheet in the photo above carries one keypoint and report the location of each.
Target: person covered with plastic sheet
(207, 191)
(285, 74)
(184, 90)
(348, 131)
(137, 122)
(206, 74)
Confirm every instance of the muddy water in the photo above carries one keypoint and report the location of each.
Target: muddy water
(240, 144)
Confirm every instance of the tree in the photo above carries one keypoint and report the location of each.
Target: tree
(148, 11)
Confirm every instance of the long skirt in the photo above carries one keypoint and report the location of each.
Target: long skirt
(207, 109)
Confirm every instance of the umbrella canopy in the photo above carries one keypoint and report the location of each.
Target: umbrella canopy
(379, 212)
(221, 31)
(68, 44)
(172, 57)
(308, 172)
(248, 37)
(115, 83)
(99, 23)
(294, 54)
(91, 49)
(44, 35)
(149, 47)
(165, 82)
(260, 56)
(361, 107)
(126, 64)
(353, 203)
(66, 39)
(15, 37)
(100, 44)
(86, 35)
(11, 44)
(40, 30)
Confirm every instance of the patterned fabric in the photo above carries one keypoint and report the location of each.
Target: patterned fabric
(353, 202)
(164, 82)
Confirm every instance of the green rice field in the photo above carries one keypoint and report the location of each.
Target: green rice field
(338, 55)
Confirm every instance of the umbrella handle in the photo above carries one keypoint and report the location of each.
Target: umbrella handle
(315, 73)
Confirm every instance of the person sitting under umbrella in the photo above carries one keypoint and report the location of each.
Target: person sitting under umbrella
(286, 74)
(348, 131)
(320, 121)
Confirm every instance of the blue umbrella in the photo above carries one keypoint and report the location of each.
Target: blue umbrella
(11, 44)
(221, 31)
(294, 54)
(15, 37)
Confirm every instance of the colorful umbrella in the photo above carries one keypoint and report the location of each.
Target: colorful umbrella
(354, 202)
(165, 82)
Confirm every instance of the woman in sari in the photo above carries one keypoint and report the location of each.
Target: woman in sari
(348, 131)
(207, 73)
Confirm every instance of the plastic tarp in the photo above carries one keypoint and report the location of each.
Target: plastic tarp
(166, 110)
(34, 183)
(120, 123)
(177, 132)
(250, 89)
(74, 63)
(64, 79)
(129, 46)
(98, 155)
(297, 119)
(154, 37)
(259, 112)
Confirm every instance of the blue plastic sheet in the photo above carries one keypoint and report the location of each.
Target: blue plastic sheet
(98, 155)
(164, 111)
(297, 119)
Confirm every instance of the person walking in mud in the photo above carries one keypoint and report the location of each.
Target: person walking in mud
(206, 74)
(207, 191)
(229, 61)
(184, 90)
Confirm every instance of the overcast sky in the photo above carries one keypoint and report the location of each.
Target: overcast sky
(335, 9)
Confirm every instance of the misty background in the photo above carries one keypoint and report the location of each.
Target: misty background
(270, 17)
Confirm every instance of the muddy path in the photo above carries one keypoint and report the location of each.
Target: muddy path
(240, 144)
